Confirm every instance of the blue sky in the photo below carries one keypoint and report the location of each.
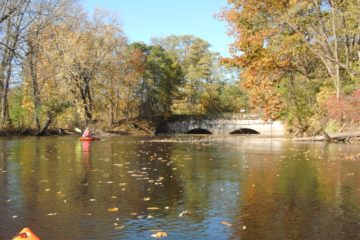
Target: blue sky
(145, 19)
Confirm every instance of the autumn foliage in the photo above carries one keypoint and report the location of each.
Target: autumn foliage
(346, 108)
(289, 50)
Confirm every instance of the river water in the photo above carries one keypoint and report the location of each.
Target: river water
(132, 188)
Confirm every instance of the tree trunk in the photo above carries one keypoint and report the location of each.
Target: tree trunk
(5, 115)
(46, 126)
(83, 86)
(35, 88)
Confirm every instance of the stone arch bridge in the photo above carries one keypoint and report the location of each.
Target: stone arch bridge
(234, 124)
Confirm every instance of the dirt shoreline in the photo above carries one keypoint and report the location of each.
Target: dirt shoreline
(26, 132)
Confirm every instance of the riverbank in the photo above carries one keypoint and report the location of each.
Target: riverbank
(130, 128)
(18, 132)
(145, 128)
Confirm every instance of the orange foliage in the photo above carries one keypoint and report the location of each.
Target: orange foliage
(263, 62)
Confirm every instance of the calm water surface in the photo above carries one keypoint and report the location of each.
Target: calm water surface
(130, 188)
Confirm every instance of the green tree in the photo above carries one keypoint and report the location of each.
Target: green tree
(161, 81)
(198, 64)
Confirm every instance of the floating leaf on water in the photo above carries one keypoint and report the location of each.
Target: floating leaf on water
(52, 214)
(185, 213)
(47, 190)
(159, 235)
(15, 216)
(136, 175)
(115, 209)
(153, 208)
(146, 199)
(119, 227)
(244, 227)
(92, 200)
(226, 223)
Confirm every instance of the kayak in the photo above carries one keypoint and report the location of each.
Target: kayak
(26, 233)
(89, 139)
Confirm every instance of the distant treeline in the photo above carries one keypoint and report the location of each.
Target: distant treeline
(61, 67)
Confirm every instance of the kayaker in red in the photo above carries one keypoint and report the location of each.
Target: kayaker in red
(88, 136)
(87, 133)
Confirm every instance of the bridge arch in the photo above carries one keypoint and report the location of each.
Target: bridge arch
(198, 131)
(244, 131)
(162, 128)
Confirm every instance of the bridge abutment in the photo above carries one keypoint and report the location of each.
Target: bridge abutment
(222, 126)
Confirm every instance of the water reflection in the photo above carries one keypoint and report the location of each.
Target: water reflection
(86, 154)
(123, 188)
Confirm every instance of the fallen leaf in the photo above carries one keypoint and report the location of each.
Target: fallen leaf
(226, 223)
(115, 209)
(185, 213)
(153, 208)
(159, 235)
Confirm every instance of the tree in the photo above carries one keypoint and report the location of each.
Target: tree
(328, 28)
(12, 22)
(42, 14)
(121, 82)
(197, 63)
(276, 40)
(160, 84)
(85, 47)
